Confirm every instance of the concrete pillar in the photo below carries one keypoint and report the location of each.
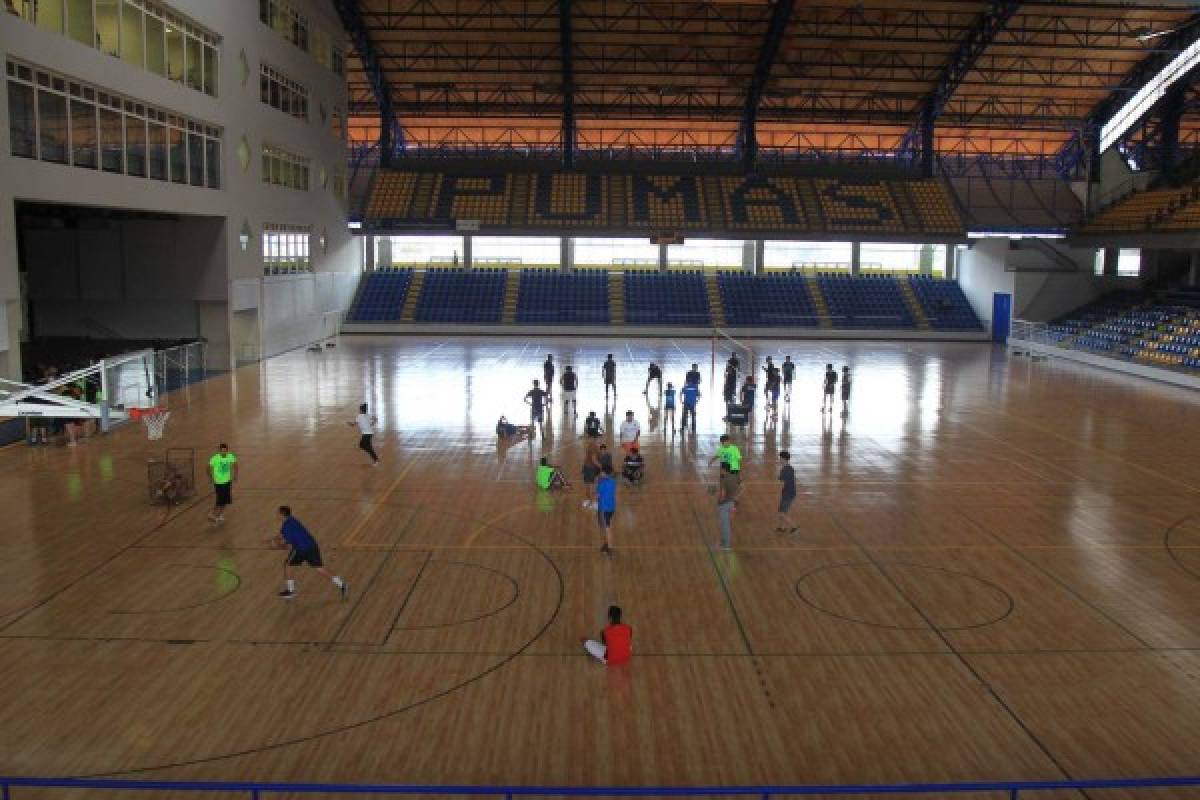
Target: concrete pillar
(855, 258)
(368, 253)
(566, 253)
(758, 259)
(468, 257)
(748, 255)
(1110, 262)
(925, 265)
(1194, 269)
(951, 252)
(383, 257)
(662, 258)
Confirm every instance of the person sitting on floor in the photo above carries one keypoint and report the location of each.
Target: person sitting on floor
(550, 476)
(634, 468)
(506, 430)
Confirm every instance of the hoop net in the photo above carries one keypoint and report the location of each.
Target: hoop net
(155, 420)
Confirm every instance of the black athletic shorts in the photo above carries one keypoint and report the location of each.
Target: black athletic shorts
(785, 503)
(605, 518)
(537, 414)
(589, 474)
(310, 557)
(224, 493)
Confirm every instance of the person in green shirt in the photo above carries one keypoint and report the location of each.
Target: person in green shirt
(728, 453)
(223, 470)
(550, 476)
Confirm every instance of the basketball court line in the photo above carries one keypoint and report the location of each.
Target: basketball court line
(360, 596)
(357, 529)
(408, 596)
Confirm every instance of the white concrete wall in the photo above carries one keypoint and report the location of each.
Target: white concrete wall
(982, 271)
(244, 198)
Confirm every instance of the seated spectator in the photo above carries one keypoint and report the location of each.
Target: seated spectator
(634, 468)
(615, 645)
(506, 430)
(550, 477)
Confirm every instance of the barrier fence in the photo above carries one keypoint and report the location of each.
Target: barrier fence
(1012, 789)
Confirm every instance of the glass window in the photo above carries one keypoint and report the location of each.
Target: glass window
(178, 156)
(157, 152)
(175, 57)
(22, 121)
(83, 134)
(108, 24)
(135, 146)
(52, 122)
(79, 22)
(1098, 262)
(902, 257)
(1129, 260)
(527, 252)
(196, 158)
(419, 251)
(49, 14)
(133, 38)
(112, 143)
(820, 256)
(195, 64)
(210, 70)
(617, 254)
(212, 163)
(709, 254)
(156, 51)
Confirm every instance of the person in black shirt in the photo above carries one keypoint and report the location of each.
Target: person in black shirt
(610, 377)
(788, 368)
(591, 425)
(787, 496)
(548, 374)
(733, 362)
(654, 373)
(730, 388)
(535, 398)
(845, 391)
(693, 376)
(772, 385)
(831, 379)
(569, 382)
(748, 392)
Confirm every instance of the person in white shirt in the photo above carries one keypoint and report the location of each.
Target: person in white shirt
(630, 432)
(366, 429)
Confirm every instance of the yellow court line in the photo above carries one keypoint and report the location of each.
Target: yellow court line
(489, 522)
(358, 529)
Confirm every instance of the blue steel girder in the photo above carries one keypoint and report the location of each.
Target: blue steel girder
(1085, 142)
(919, 141)
(391, 134)
(566, 45)
(747, 139)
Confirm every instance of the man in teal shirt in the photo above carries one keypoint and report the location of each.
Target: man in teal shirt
(223, 470)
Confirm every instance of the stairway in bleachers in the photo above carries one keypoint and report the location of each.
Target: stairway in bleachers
(818, 299)
(715, 306)
(914, 305)
(414, 296)
(616, 298)
(512, 288)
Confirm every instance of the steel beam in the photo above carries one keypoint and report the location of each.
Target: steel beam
(919, 142)
(747, 137)
(391, 134)
(567, 57)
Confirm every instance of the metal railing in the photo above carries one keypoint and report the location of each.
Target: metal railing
(179, 366)
(1036, 332)
(255, 791)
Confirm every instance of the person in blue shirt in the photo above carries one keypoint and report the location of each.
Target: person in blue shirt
(606, 506)
(303, 550)
(669, 407)
(691, 393)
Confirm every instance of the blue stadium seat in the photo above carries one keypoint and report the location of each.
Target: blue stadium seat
(457, 295)
(562, 298)
(944, 304)
(671, 298)
(764, 301)
(381, 297)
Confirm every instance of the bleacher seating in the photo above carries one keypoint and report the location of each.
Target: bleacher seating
(562, 298)
(866, 302)
(767, 300)
(1155, 209)
(1163, 331)
(944, 304)
(382, 295)
(673, 298)
(475, 295)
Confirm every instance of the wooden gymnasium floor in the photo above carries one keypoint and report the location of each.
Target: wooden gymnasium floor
(997, 576)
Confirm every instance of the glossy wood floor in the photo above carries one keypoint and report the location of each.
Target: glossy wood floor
(996, 576)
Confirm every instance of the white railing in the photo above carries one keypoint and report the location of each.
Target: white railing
(1036, 332)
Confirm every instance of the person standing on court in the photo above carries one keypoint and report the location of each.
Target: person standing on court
(548, 374)
(606, 506)
(535, 398)
(304, 550)
(654, 373)
(730, 387)
(366, 431)
(788, 367)
(693, 376)
(728, 453)
(223, 470)
(845, 390)
(727, 494)
(787, 495)
(690, 395)
(609, 370)
(669, 407)
(831, 379)
(569, 382)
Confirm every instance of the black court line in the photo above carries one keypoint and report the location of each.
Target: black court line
(516, 595)
(408, 596)
(1058, 581)
(962, 660)
(721, 579)
(20, 615)
(206, 567)
(1170, 548)
(358, 597)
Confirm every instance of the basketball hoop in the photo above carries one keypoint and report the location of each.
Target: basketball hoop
(155, 420)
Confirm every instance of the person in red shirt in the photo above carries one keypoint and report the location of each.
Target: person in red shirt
(616, 641)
